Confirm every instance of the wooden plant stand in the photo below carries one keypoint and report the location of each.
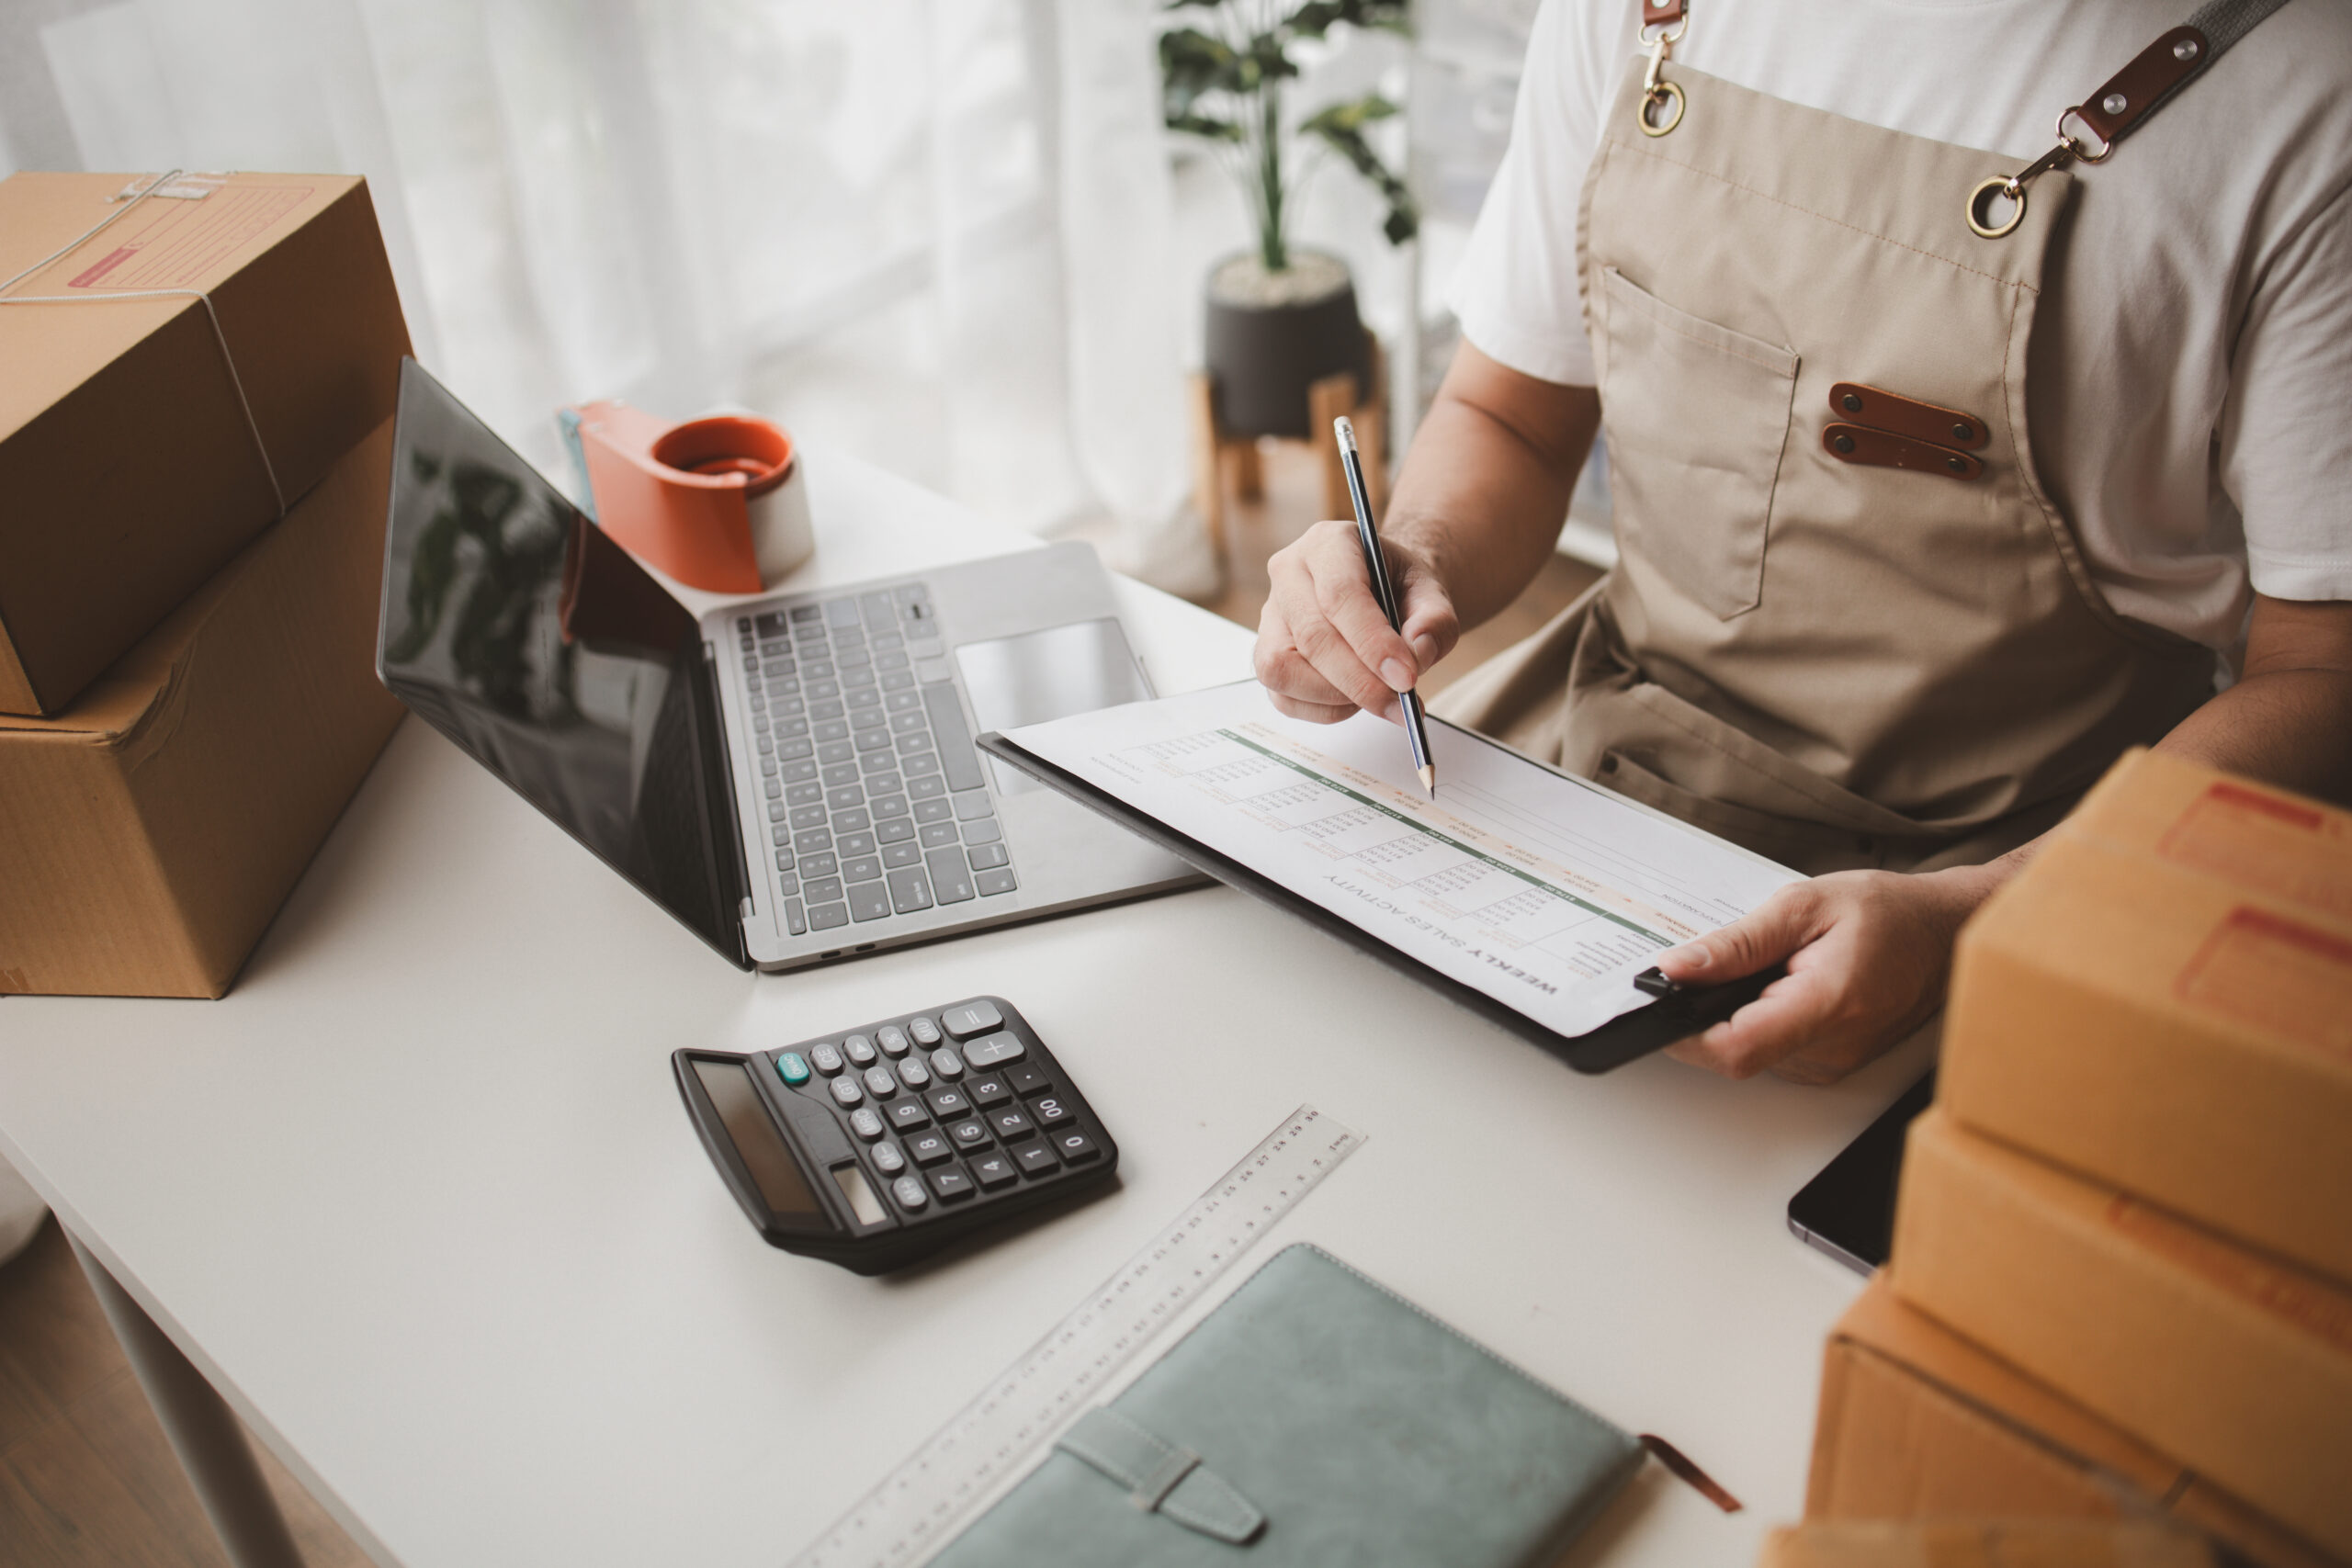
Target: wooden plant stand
(1218, 456)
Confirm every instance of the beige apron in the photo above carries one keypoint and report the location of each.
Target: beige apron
(1835, 662)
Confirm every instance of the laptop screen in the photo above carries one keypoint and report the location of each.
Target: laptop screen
(514, 626)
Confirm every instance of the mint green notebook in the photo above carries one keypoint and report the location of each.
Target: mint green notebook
(1315, 1417)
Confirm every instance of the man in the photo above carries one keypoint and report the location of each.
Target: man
(1935, 488)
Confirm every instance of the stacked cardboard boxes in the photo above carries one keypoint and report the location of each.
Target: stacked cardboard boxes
(2122, 1268)
(195, 458)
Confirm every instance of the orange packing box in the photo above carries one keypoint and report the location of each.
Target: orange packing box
(2181, 1035)
(149, 833)
(2237, 1365)
(1983, 1544)
(131, 470)
(1917, 1423)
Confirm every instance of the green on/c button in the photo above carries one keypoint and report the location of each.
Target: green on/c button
(791, 1068)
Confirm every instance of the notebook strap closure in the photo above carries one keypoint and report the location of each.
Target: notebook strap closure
(1162, 1477)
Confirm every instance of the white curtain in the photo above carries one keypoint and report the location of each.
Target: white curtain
(935, 233)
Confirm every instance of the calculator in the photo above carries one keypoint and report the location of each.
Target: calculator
(880, 1145)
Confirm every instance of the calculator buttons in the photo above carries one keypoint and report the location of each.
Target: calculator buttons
(995, 1049)
(906, 1113)
(913, 1073)
(948, 1102)
(995, 1170)
(925, 1031)
(846, 1091)
(792, 1067)
(889, 1159)
(865, 1124)
(929, 1148)
(828, 1060)
(859, 1050)
(972, 1018)
(951, 1184)
(1036, 1160)
(1012, 1122)
(946, 1064)
(968, 1134)
(892, 1039)
(879, 1083)
(1051, 1112)
(1074, 1146)
(1027, 1078)
(986, 1092)
(909, 1193)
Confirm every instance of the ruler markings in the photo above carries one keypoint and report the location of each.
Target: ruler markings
(909, 1512)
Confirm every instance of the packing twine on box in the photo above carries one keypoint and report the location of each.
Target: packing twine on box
(130, 198)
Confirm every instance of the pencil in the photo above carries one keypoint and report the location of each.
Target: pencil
(1376, 566)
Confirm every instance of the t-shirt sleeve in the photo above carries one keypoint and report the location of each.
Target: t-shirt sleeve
(2286, 432)
(1516, 292)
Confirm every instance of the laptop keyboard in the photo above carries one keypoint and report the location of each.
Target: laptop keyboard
(878, 804)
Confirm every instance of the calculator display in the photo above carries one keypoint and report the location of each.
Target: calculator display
(755, 1138)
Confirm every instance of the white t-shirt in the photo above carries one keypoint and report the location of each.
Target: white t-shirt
(2190, 387)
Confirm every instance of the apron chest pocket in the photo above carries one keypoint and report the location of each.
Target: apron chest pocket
(1697, 415)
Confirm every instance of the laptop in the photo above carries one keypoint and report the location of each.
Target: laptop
(794, 777)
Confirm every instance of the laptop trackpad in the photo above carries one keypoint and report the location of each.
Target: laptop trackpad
(1047, 675)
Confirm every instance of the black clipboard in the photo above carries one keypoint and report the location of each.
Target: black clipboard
(1621, 1040)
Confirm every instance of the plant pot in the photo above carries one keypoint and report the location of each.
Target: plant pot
(1272, 336)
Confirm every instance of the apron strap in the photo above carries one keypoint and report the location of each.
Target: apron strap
(2122, 104)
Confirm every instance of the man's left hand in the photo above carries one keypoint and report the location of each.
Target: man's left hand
(1868, 952)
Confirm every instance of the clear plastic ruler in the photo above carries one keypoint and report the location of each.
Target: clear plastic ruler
(915, 1508)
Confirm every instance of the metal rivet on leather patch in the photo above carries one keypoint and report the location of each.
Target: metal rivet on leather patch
(1962, 432)
(1843, 443)
(1957, 464)
(2115, 103)
(2185, 50)
(1853, 404)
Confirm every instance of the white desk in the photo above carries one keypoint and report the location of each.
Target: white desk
(420, 1200)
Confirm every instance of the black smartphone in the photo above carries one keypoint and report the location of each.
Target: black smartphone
(1848, 1211)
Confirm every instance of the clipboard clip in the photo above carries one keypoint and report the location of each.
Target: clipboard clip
(1652, 982)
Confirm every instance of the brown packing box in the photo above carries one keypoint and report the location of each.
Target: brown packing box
(130, 470)
(1983, 1544)
(148, 834)
(2291, 848)
(1918, 1422)
(2178, 1034)
(2238, 1366)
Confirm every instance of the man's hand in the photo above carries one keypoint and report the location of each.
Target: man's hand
(1868, 952)
(1325, 648)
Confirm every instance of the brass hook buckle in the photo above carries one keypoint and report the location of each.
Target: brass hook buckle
(1654, 91)
(2012, 186)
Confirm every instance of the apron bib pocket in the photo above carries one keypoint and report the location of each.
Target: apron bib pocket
(1702, 412)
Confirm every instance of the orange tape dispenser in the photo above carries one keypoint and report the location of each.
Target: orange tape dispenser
(716, 504)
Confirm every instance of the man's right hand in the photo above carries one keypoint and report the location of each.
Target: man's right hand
(1325, 648)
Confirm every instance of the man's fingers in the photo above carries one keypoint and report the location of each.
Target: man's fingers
(1431, 628)
(1343, 592)
(1780, 925)
(1284, 670)
(1788, 1017)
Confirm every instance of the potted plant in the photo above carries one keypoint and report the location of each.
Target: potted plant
(1280, 319)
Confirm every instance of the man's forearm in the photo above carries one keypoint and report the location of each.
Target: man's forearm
(2291, 728)
(1486, 486)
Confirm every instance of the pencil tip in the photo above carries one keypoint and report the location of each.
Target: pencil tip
(1428, 780)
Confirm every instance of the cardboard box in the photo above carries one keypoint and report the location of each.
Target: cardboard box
(1974, 1543)
(2291, 848)
(2236, 1365)
(1918, 1422)
(149, 833)
(2179, 1035)
(130, 471)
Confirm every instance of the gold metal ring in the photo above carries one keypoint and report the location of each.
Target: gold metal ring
(1641, 110)
(2007, 186)
(2076, 144)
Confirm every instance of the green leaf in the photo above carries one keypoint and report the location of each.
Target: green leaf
(1192, 66)
(1317, 17)
(1194, 124)
(1341, 128)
